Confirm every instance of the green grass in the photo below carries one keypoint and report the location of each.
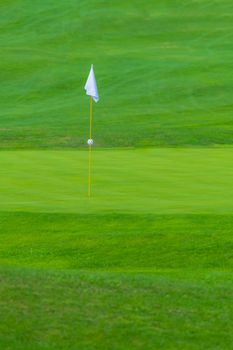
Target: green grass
(164, 66)
(116, 242)
(73, 310)
(141, 181)
(146, 263)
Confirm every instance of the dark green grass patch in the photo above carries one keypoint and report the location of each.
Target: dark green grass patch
(61, 310)
(116, 242)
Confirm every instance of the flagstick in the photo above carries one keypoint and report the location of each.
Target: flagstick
(89, 163)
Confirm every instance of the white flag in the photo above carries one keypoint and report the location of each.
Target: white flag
(91, 86)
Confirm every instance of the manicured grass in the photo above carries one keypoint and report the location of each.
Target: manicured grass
(71, 310)
(146, 262)
(164, 70)
(116, 242)
(143, 181)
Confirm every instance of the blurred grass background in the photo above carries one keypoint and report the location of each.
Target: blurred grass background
(164, 72)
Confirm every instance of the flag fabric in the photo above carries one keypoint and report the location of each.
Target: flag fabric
(91, 86)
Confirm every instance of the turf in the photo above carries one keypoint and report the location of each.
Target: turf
(164, 66)
(73, 310)
(126, 181)
(146, 262)
(117, 242)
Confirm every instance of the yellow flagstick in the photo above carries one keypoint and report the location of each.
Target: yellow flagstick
(92, 91)
(90, 146)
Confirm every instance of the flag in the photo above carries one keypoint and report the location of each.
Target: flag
(91, 86)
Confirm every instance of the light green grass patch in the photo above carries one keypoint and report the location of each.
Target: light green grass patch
(146, 181)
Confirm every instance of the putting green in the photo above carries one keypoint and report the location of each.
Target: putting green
(143, 180)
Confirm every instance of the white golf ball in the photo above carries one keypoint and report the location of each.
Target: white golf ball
(90, 141)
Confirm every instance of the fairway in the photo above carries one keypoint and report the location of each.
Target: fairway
(115, 311)
(146, 262)
(164, 70)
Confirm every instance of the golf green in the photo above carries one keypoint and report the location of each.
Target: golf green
(146, 262)
(127, 181)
